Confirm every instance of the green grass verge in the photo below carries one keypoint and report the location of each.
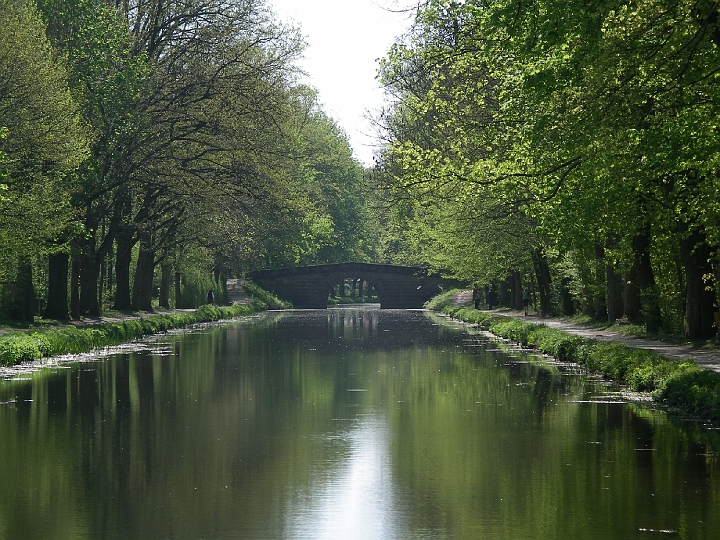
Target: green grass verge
(680, 384)
(263, 299)
(441, 301)
(19, 346)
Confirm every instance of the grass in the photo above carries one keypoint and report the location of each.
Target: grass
(39, 342)
(441, 301)
(675, 383)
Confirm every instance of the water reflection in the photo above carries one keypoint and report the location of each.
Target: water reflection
(345, 423)
(358, 500)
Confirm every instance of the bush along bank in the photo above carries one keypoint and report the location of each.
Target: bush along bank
(25, 346)
(674, 383)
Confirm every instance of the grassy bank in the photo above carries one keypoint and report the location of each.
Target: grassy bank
(680, 384)
(24, 346)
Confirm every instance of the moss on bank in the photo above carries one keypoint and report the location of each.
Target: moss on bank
(675, 383)
(25, 346)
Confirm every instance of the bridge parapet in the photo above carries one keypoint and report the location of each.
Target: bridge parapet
(397, 287)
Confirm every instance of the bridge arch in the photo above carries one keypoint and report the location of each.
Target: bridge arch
(397, 287)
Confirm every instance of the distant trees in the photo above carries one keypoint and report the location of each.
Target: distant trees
(570, 136)
(148, 143)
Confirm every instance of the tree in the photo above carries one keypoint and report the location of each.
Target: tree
(44, 141)
(575, 116)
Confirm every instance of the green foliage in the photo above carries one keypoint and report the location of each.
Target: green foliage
(562, 346)
(43, 139)
(557, 126)
(194, 286)
(694, 390)
(335, 181)
(18, 348)
(179, 130)
(263, 299)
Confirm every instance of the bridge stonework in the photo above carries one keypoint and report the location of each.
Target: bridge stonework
(308, 287)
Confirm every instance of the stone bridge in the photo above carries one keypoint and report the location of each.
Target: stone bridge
(308, 287)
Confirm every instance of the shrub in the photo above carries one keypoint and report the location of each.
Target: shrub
(18, 348)
(693, 389)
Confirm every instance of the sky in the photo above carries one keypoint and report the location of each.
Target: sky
(345, 37)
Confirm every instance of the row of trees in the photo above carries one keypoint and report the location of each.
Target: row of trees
(571, 143)
(143, 142)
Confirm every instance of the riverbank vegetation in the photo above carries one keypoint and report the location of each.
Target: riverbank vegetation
(571, 147)
(39, 342)
(151, 150)
(674, 383)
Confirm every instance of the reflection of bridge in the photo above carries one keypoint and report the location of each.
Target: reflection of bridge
(397, 287)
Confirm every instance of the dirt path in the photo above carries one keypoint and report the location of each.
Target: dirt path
(706, 358)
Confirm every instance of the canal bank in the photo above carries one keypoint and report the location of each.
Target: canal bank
(351, 423)
(84, 335)
(672, 376)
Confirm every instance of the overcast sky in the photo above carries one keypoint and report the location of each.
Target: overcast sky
(345, 37)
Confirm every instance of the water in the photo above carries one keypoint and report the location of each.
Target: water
(345, 424)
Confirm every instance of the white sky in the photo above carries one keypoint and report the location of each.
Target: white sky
(345, 37)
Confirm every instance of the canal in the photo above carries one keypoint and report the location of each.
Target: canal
(350, 423)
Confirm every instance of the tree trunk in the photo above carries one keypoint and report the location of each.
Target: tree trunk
(25, 292)
(503, 293)
(89, 281)
(57, 296)
(614, 281)
(614, 294)
(178, 296)
(102, 267)
(142, 286)
(567, 299)
(646, 281)
(123, 259)
(517, 302)
(165, 281)
(109, 277)
(601, 313)
(542, 272)
(633, 305)
(588, 301)
(91, 255)
(696, 254)
(75, 287)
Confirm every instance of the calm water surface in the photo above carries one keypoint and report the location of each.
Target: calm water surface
(343, 424)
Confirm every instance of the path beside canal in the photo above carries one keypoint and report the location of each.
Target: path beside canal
(92, 321)
(705, 357)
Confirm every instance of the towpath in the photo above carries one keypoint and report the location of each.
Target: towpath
(705, 357)
(105, 319)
